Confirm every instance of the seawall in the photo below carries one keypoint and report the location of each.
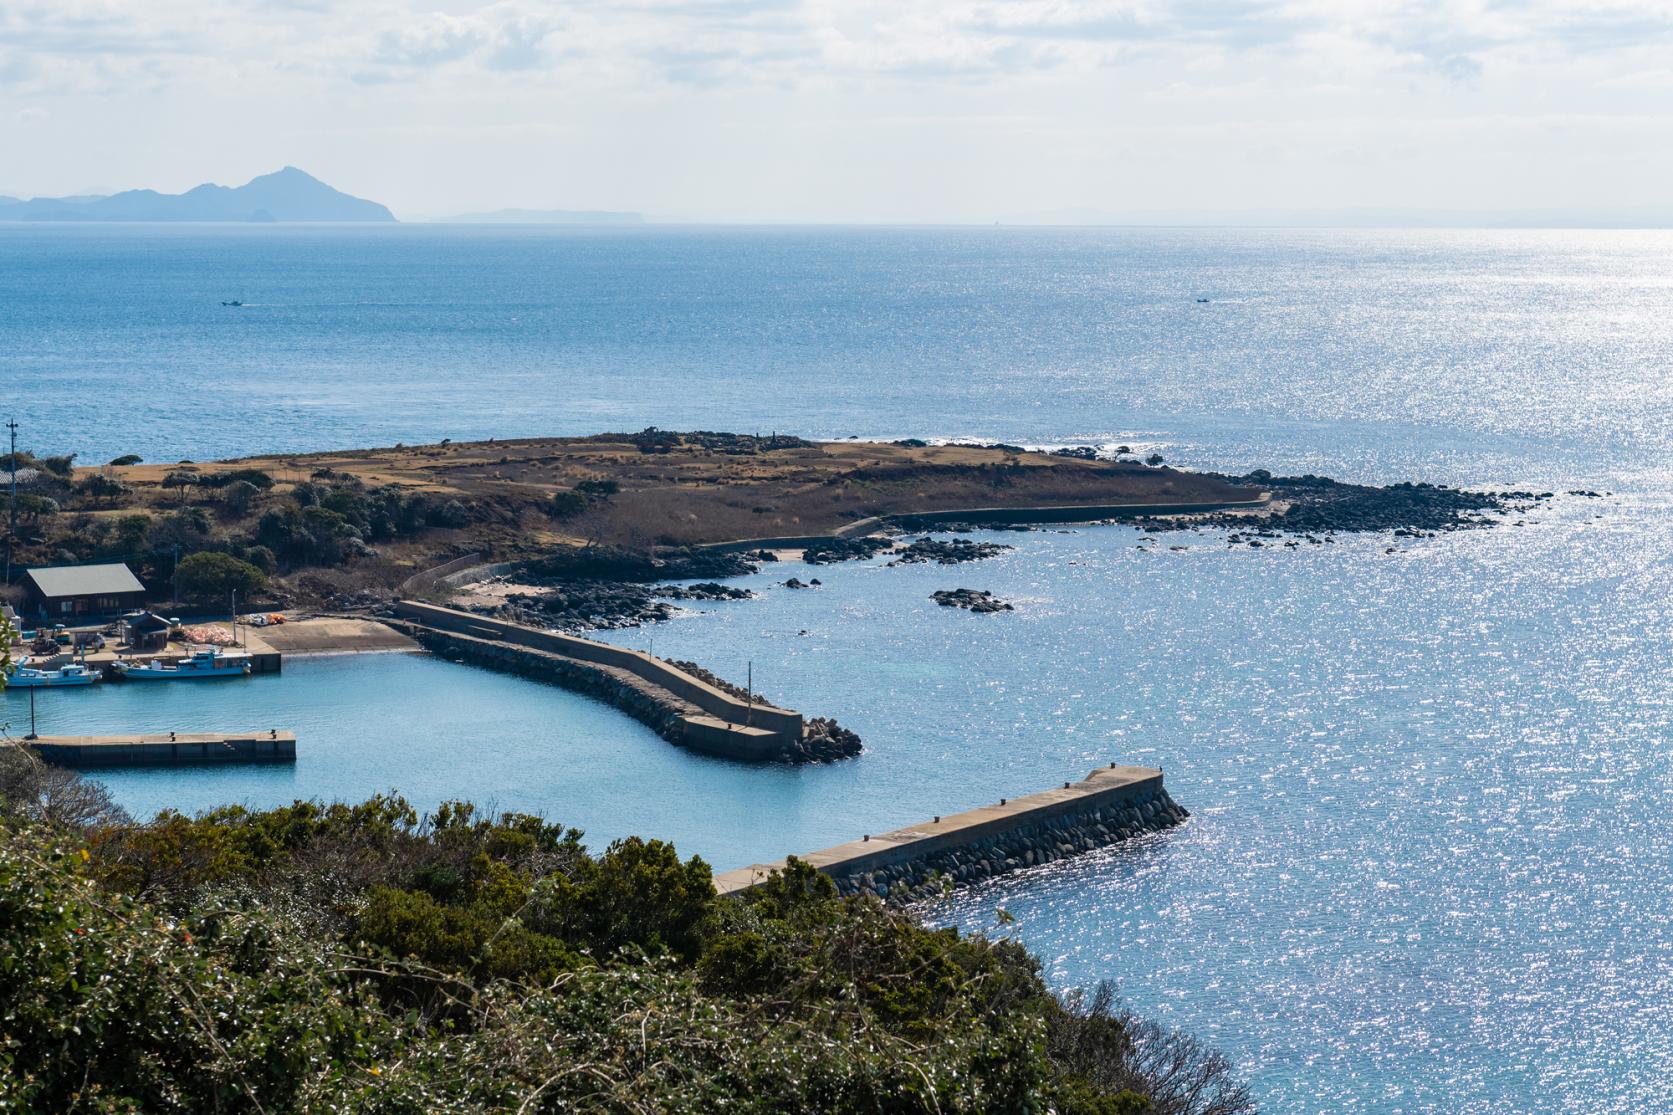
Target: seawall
(1111, 804)
(678, 706)
(977, 516)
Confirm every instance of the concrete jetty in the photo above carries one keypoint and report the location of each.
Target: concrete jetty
(679, 706)
(1109, 805)
(165, 748)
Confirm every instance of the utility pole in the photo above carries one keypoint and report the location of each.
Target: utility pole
(11, 530)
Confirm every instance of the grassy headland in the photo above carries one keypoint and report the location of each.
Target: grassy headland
(325, 525)
(348, 527)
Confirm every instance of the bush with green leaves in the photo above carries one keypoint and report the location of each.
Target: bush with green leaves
(209, 576)
(356, 958)
(100, 489)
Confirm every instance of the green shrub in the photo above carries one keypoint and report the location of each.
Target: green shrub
(567, 503)
(208, 576)
(353, 958)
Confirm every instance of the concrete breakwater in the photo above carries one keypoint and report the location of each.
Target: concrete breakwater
(1111, 804)
(678, 706)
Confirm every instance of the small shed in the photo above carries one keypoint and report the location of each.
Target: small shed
(67, 592)
(147, 630)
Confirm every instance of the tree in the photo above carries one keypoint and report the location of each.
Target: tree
(1153, 460)
(31, 508)
(59, 466)
(127, 459)
(238, 496)
(181, 480)
(210, 576)
(99, 488)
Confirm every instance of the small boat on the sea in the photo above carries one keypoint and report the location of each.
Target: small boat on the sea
(233, 302)
(207, 662)
(26, 677)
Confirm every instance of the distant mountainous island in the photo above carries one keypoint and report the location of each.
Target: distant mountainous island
(547, 217)
(285, 195)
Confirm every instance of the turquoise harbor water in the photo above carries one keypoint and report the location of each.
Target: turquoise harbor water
(1428, 867)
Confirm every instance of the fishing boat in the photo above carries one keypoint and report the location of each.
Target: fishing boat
(26, 677)
(205, 662)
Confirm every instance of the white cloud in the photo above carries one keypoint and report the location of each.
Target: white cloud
(835, 102)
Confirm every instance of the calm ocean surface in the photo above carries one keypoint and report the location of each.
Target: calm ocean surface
(1429, 864)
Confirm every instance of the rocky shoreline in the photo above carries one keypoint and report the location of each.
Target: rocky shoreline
(604, 588)
(1017, 849)
(1316, 507)
(948, 551)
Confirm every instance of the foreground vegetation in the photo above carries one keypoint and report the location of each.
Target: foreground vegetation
(359, 958)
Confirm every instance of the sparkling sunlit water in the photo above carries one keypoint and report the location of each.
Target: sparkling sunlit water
(1428, 866)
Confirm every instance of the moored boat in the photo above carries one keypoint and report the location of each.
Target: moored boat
(206, 662)
(26, 677)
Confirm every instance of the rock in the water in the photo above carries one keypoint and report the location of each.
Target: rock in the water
(976, 600)
(829, 550)
(952, 551)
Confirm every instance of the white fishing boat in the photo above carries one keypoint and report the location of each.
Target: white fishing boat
(25, 677)
(205, 662)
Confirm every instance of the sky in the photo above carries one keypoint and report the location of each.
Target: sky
(852, 110)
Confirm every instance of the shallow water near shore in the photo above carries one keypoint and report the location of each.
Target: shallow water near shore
(1427, 867)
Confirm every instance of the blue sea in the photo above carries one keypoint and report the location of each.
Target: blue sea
(1428, 867)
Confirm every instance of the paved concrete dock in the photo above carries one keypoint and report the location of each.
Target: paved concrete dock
(334, 635)
(1112, 787)
(270, 746)
(264, 657)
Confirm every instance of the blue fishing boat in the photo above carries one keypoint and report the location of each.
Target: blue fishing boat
(207, 662)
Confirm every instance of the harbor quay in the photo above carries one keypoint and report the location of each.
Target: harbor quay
(164, 748)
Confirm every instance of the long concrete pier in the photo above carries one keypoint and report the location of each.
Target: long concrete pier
(1109, 805)
(166, 748)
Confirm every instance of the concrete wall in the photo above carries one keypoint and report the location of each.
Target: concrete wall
(1072, 514)
(1111, 804)
(923, 520)
(717, 703)
(426, 579)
